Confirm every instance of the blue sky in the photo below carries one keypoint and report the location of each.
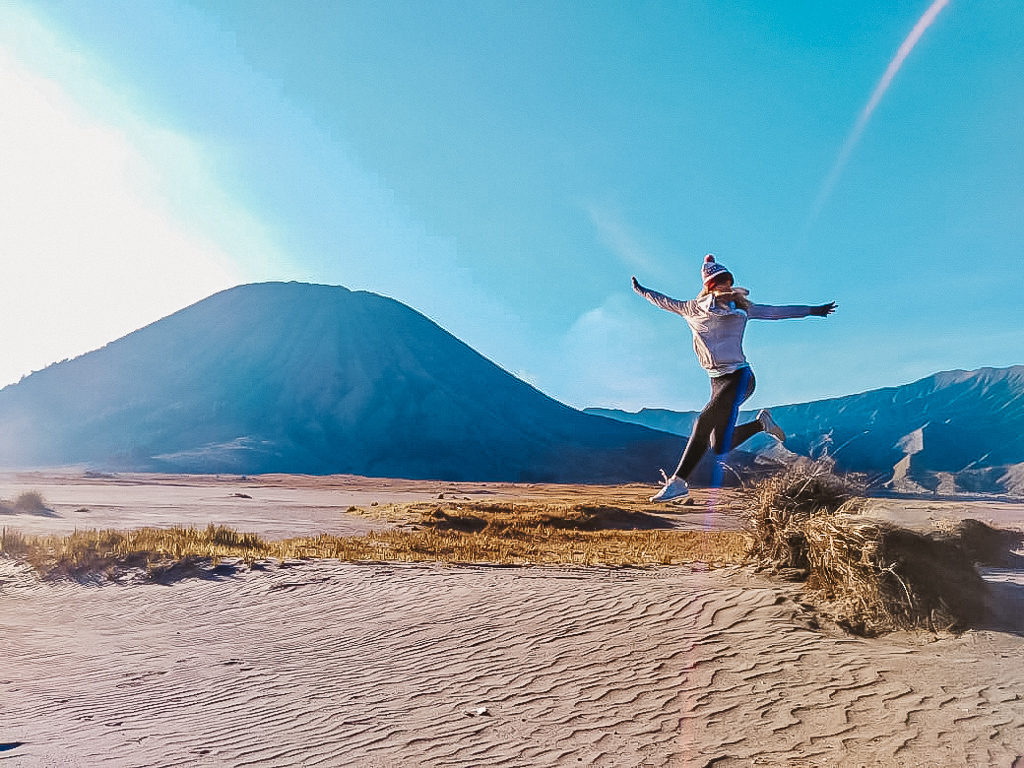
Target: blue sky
(504, 167)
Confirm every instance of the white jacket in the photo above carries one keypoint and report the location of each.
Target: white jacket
(717, 329)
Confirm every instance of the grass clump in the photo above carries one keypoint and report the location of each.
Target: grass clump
(110, 552)
(882, 577)
(872, 576)
(27, 503)
(14, 543)
(785, 502)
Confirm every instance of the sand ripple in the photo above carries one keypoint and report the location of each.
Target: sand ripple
(353, 665)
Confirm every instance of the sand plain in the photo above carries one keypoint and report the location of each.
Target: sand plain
(345, 664)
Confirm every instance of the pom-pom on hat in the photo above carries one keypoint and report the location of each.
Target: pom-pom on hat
(711, 269)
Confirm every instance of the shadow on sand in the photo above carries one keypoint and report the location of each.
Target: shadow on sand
(1005, 599)
(164, 574)
(7, 747)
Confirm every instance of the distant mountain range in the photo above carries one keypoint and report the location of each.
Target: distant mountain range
(291, 377)
(957, 431)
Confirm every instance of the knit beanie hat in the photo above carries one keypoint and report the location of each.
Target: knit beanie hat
(711, 269)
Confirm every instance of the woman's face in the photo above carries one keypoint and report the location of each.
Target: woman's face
(723, 283)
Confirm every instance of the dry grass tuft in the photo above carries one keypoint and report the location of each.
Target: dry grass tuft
(29, 503)
(14, 543)
(153, 549)
(785, 502)
(873, 577)
(505, 534)
(879, 577)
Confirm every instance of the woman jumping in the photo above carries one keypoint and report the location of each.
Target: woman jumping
(717, 318)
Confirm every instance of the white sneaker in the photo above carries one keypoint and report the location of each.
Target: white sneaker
(773, 429)
(674, 488)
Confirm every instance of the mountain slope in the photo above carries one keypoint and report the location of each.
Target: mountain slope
(290, 377)
(951, 422)
(676, 422)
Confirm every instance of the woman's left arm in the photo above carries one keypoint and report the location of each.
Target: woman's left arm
(771, 312)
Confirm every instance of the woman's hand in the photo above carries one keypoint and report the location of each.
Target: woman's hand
(824, 310)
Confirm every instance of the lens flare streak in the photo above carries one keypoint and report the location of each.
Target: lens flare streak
(853, 138)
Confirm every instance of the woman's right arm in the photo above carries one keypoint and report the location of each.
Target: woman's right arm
(661, 300)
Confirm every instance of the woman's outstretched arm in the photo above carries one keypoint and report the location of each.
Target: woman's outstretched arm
(663, 301)
(771, 312)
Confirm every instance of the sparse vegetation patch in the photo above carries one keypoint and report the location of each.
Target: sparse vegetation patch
(27, 503)
(502, 534)
(870, 576)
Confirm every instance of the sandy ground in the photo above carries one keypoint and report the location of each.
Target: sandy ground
(339, 664)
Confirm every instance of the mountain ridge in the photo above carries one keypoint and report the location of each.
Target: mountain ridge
(297, 377)
(919, 436)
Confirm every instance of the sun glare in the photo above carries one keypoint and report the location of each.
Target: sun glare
(90, 249)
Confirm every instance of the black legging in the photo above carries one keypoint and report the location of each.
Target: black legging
(716, 424)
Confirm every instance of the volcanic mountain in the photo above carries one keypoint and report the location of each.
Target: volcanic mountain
(952, 431)
(292, 377)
